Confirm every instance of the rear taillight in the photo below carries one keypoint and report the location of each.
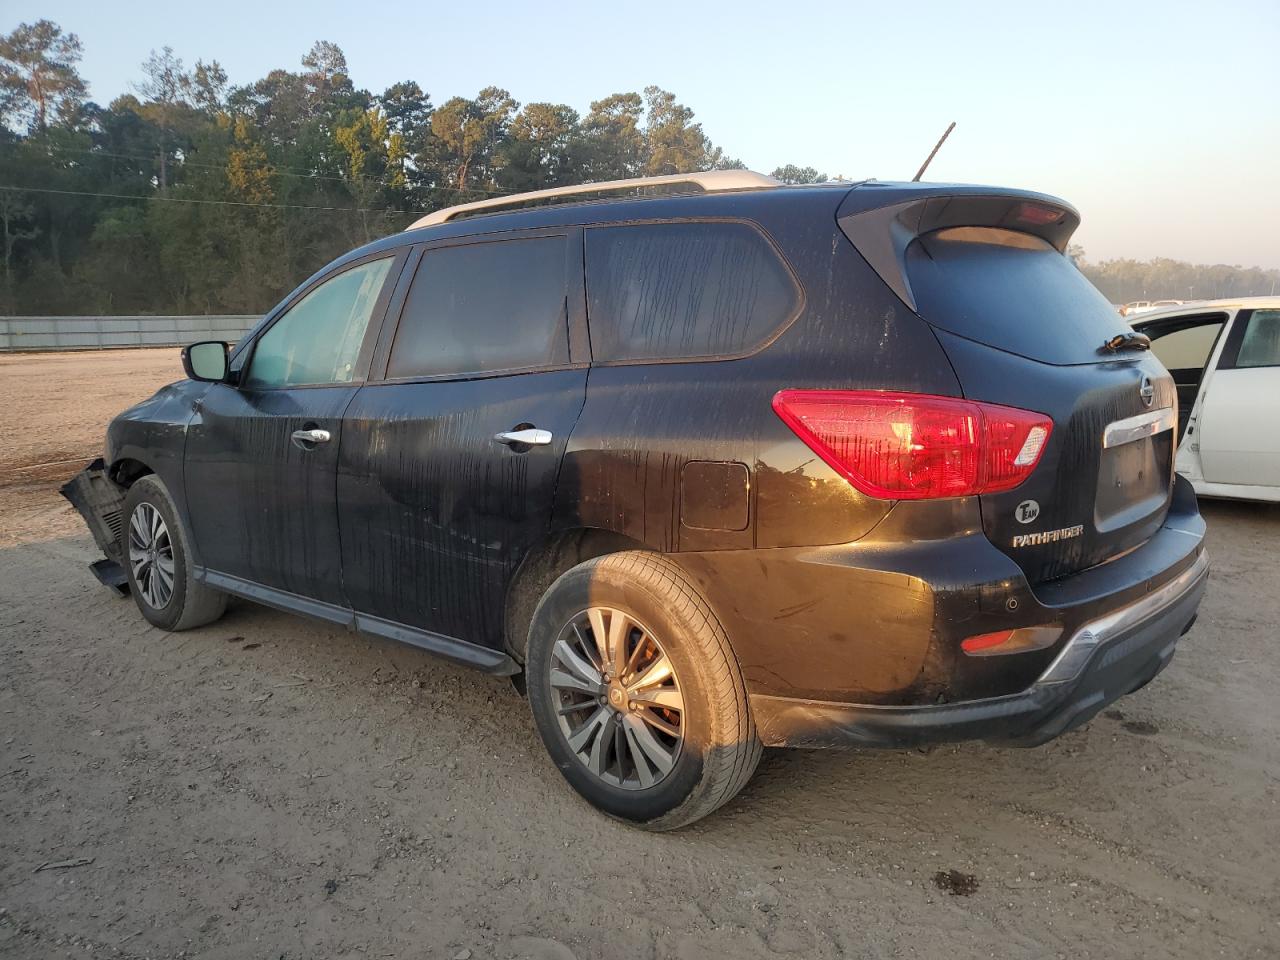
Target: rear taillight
(912, 446)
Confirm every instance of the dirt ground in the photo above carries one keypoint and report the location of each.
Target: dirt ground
(268, 787)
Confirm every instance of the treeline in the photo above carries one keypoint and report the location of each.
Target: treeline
(191, 195)
(1123, 281)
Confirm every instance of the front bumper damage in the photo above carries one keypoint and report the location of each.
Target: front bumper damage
(100, 500)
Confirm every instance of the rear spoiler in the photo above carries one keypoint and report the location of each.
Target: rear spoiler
(882, 219)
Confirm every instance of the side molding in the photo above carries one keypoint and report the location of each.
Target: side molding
(471, 655)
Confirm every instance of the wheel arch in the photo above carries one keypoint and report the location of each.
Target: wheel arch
(126, 470)
(560, 551)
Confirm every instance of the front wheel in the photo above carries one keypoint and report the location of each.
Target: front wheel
(158, 561)
(637, 694)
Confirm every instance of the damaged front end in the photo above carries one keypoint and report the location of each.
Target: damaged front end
(100, 500)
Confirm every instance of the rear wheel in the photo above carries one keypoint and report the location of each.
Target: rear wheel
(157, 562)
(637, 694)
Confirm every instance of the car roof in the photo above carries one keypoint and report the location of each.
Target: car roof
(1192, 307)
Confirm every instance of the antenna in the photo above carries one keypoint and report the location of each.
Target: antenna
(932, 153)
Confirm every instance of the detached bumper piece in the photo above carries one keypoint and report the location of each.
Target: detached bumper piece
(101, 502)
(1103, 660)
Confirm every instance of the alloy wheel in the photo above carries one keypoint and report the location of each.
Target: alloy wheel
(151, 555)
(617, 698)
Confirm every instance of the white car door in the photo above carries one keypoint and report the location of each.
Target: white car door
(1239, 428)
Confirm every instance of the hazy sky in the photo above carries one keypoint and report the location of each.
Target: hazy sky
(1159, 121)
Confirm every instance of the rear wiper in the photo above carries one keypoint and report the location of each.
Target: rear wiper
(1126, 341)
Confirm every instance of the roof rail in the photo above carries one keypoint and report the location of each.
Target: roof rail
(711, 181)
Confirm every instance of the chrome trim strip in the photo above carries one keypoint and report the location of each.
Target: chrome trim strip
(1135, 428)
(1072, 658)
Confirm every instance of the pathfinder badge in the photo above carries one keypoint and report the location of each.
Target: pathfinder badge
(1048, 536)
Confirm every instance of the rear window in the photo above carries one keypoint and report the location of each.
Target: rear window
(484, 307)
(1012, 291)
(684, 290)
(1261, 344)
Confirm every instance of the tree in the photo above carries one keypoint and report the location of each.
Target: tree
(165, 88)
(38, 76)
(468, 131)
(207, 86)
(15, 210)
(793, 174)
(540, 149)
(614, 144)
(675, 143)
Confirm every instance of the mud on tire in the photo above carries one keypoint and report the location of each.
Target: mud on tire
(156, 558)
(717, 750)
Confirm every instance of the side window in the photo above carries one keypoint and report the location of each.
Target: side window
(1261, 344)
(680, 290)
(318, 339)
(1187, 348)
(483, 307)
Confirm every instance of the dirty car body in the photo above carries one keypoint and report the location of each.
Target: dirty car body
(876, 429)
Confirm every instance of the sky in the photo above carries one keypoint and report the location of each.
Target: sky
(1159, 121)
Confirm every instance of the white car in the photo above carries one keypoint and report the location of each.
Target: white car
(1146, 306)
(1225, 359)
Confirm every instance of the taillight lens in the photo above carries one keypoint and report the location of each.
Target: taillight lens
(912, 446)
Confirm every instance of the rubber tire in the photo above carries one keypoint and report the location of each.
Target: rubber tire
(720, 750)
(192, 604)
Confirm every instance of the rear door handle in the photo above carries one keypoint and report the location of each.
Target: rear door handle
(306, 439)
(529, 437)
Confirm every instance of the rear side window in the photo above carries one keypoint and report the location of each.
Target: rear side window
(484, 307)
(1261, 344)
(1012, 291)
(683, 290)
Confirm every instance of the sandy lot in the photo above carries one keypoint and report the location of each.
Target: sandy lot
(268, 787)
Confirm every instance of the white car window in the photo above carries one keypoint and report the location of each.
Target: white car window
(1261, 344)
(1186, 349)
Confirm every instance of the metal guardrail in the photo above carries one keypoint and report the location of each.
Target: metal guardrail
(110, 333)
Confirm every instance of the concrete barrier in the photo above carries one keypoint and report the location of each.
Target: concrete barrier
(109, 333)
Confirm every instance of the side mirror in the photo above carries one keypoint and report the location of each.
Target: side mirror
(206, 361)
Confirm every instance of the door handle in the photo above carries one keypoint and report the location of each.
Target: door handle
(306, 439)
(529, 437)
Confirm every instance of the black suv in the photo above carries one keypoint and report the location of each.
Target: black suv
(705, 463)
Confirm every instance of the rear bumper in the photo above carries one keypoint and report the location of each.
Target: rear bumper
(1103, 660)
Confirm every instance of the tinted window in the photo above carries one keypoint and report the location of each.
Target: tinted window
(484, 307)
(1261, 344)
(1012, 291)
(672, 290)
(318, 339)
(1185, 349)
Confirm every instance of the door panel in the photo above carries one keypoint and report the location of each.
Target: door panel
(262, 507)
(1239, 442)
(261, 458)
(435, 514)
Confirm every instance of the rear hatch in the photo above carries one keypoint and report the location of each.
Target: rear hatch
(1022, 327)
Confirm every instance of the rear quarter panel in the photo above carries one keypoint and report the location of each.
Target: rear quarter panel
(643, 422)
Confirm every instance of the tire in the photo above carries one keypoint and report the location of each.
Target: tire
(180, 603)
(706, 749)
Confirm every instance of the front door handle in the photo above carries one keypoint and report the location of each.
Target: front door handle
(307, 439)
(529, 437)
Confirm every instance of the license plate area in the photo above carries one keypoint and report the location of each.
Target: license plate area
(1133, 480)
